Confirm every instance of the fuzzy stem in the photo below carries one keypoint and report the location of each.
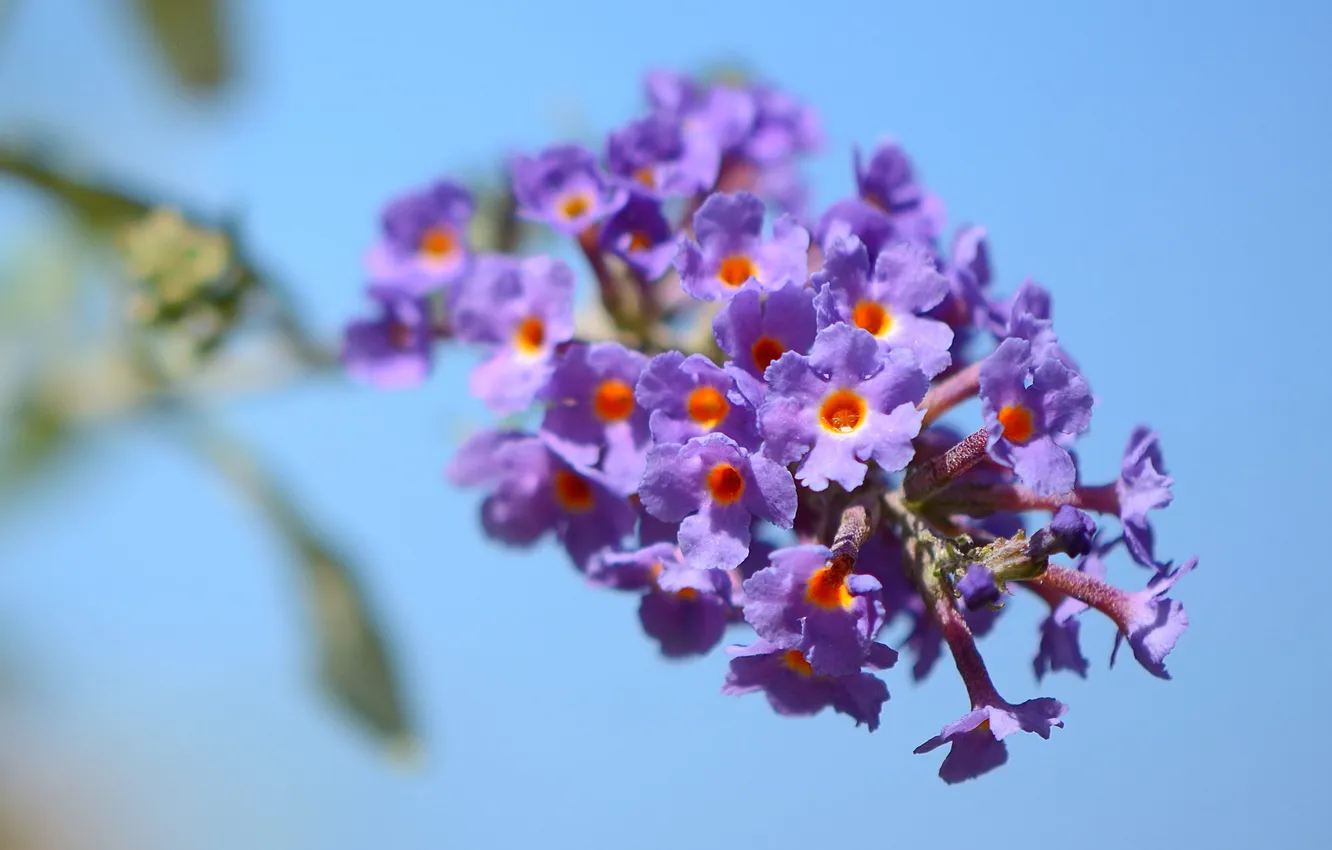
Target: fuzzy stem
(854, 528)
(940, 471)
(920, 559)
(1110, 601)
(952, 391)
(1101, 498)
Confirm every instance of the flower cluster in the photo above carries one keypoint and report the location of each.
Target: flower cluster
(786, 468)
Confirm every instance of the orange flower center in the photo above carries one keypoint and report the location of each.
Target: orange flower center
(572, 492)
(639, 241)
(575, 205)
(613, 400)
(735, 270)
(826, 588)
(725, 483)
(686, 593)
(794, 659)
(1016, 419)
(437, 242)
(708, 407)
(645, 176)
(765, 350)
(842, 412)
(872, 316)
(530, 335)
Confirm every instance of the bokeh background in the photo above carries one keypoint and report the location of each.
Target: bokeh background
(1161, 167)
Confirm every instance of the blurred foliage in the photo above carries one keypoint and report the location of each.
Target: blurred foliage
(184, 316)
(192, 37)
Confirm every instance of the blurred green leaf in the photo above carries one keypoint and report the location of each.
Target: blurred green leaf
(192, 37)
(96, 206)
(355, 664)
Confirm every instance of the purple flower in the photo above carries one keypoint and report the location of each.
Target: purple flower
(691, 396)
(792, 687)
(1070, 533)
(889, 182)
(1059, 647)
(977, 588)
(968, 272)
(861, 219)
(1030, 402)
(840, 407)
(565, 188)
(783, 128)
(725, 115)
(591, 416)
(891, 303)
(1142, 487)
(806, 601)
(640, 235)
(977, 738)
(755, 331)
(716, 487)
(393, 351)
(1152, 623)
(521, 310)
(636, 570)
(656, 156)
(423, 246)
(688, 612)
(731, 255)
(533, 491)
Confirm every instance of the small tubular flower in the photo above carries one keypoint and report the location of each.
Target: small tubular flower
(845, 404)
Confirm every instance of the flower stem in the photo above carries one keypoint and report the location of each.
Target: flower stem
(940, 471)
(952, 391)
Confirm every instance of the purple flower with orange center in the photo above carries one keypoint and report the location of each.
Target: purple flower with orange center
(755, 330)
(977, 738)
(394, 350)
(844, 405)
(890, 303)
(533, 492)
(807, 600)
(692, 396)
(655, 156)
(423, 246)
(793, 688)
(640, 235)
(731, 256)
(688, 610)
(715, 488)
(888, 181)
(522, 310)
(565, 188)
(591, 416)
(1031, 404)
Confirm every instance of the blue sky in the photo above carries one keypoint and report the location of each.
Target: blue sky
(1162, 168)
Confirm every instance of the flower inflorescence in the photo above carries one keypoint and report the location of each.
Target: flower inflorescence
(787, 470)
